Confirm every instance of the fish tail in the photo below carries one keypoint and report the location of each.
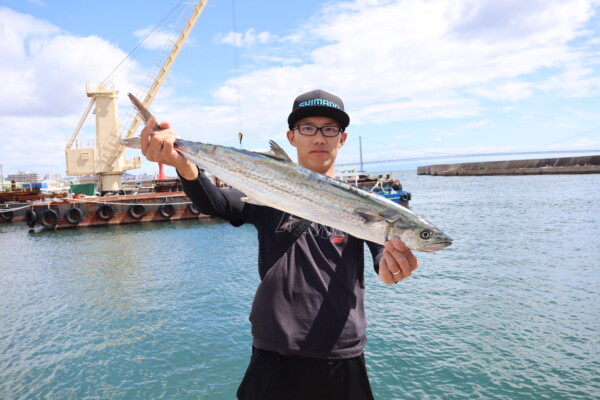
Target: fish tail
(142, 110)
(139, 107)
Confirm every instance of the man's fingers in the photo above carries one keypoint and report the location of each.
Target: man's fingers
(384, 272)
(146, 134)
(397, 244)
(397, 263)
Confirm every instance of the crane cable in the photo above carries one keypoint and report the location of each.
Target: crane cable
(237, 73)
(147, 39)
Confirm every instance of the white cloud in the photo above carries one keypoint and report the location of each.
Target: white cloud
(44, 69)
(511, 91)
(390, 60)
(476, 125)
(155, 39)
(565, 125)
(575, 81)
(249, 38)
(401, 137)
(43, 72)
(408, 59)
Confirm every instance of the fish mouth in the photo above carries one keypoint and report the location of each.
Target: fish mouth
(431, 247)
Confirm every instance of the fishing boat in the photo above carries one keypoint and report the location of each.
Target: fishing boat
(358, 179)
(383, 185)
(392, 192)
(364, 180)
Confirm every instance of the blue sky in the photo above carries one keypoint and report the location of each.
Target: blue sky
(419, 78)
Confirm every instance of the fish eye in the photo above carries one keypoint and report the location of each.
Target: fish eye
(425, 234)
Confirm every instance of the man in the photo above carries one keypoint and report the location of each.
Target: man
(308, 319)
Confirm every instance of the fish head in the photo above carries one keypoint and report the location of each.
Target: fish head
(421, 236)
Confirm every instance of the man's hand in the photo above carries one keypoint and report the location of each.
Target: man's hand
(158, 146)
(397, 263)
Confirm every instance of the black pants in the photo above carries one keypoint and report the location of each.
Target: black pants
(271, 376)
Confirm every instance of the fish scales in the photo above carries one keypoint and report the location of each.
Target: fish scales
(274, 180)
(285, 187)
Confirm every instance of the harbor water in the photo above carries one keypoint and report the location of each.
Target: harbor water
(510, 311)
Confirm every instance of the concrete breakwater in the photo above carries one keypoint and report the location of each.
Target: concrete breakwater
(544, 166)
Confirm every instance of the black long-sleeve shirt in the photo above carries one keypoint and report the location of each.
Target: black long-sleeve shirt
(310, 302)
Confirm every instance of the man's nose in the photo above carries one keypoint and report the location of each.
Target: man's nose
(319, 136)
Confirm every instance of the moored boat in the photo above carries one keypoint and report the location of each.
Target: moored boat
(358, 179)
(14, 203)
(392, 192)
(111, 210)
(13, 211)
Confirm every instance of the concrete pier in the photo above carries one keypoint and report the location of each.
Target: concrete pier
(544, 166)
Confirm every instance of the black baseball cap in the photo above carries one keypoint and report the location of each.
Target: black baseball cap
(318, 103)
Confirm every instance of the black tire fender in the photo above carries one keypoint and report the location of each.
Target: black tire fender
(137, 211)
(166, 210)
(30, 218)
(7, 215)
(105, 212)
(74, 215)
(49, 218)
(194, 209)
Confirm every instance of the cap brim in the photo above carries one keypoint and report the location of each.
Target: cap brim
(319, 111)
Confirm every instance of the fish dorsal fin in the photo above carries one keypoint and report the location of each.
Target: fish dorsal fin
(278, 152)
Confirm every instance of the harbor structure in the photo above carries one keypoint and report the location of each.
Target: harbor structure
(107, 158)
(543, 166)
(106, 161)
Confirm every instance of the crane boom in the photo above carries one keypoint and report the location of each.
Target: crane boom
(107, 158)
(164, 70)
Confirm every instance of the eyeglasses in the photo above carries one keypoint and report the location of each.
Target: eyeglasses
(311, 130)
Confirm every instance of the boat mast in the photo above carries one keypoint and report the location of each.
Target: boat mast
(107, 158)
(360, 149)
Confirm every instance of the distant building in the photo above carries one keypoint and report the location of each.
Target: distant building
(25, 177)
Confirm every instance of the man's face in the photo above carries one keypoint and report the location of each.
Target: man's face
(317, 152)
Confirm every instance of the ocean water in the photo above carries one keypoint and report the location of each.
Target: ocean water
(510, 311)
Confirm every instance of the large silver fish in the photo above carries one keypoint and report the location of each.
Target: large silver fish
(274, 180)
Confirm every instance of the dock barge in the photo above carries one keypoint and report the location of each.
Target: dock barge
(544, 166)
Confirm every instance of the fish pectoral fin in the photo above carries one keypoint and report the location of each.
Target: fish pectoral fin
(373, 216)
(278, 152)
(252, 201)
(389, 215)
(368, 216)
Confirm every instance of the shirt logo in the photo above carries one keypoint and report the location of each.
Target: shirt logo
(337, 239)
(316, 230)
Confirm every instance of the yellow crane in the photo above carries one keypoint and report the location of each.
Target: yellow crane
(107, 158)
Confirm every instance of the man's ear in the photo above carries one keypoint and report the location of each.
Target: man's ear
(290, 137)
(343, 138)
